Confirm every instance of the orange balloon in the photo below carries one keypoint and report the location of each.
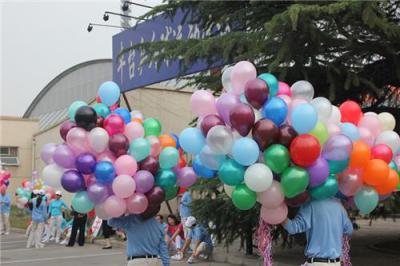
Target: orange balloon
(137, 120)
(360, 155)
(167, 141)
(390, 184)
(375, 172)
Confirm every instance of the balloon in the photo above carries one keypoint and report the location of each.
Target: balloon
(371, 123)
(375, 172)
(276, 215)
(383, 152)
(101, 109)
(73, 108)
(303, 118)
(318, 171)
(241, 73)
(277, 158)
(390, 183)
(245, 151)
(286, 135)
(86, 117)
(155, 145)
(166, 141)
(114, 124)
(323, 107)
(256, 92)
(77, 140)
(100, 212)
(335, 116)
(320, 132)
(156, 195)
(125, 165)
(275, 109)
(144, 181)
(52, 175)
(137, 203)
(220, 139)
(350, 112)
(302, 89)
(203, 103)
(98, 139)
(272, 197)
(72, 181)
(294, 103)
(305, 150)
(186, 177)
(366, 200)
(123, 186)
(350, 130)
(171, 193)
(47, 152)
(231, 173)
(152, 127)
(360, 154)
(389, 138)
(104, 172)
(169, 157)
(85, 163)
(134, 130)
(271, 81)
(326, 190)
(139, 149)
(124, 113)
(191, 140)
(226, 78)
(114, 206)
(366, 136)
(209, 122)
(151, 211)
(242, 118)
(149, 164)
(106, 156)
(81, 202)
(258, 177)
(210, 159)
(336, 167)
(118, 144)
(294, 181)
(109, 93)
(284, 89)
(298, 200)
(65, 128)
(265, 133)
(387, 121)
(337, 148)
(350, 182)
(225, 104)
(165, 179)
(243, 198)
(201, 170)
(98, 192)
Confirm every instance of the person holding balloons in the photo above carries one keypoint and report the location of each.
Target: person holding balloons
(55, 209)
(5, 203)
(39, 217)
(79, 222)
(184, 208)
(325, 222)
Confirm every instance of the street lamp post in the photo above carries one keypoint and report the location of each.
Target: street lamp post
(90, 26)
(126, 4)
(107, 14)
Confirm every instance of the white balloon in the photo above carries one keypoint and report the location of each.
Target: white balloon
(302, 89)
(257, 115)
(98, 139)
(226, 78)
(370, 113)
(323, 107)
(390, 138)
(229, 190)
(258, 177)
(387, 120)
(101, 213)
(220, 139)
(335, 116)
(52, 175)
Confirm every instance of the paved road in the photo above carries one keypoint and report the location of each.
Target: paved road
(13, 252)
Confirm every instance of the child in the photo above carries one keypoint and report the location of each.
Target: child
(39, 216)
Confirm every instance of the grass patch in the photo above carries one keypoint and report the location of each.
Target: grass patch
(19, 218)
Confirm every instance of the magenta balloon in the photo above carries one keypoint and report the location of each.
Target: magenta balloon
(137, 203)
(337, 148)
(114, 206)
(150, 164)
(118, 144)
(298, 200)
(224, 105)
(64, 156)
(186, 177)
(272, 197)
(98, 192)
(47, 152)
(276, 215)
(65, 127)
(209, 122)
(144, 181)
(318, 172)
(350, 182)
(242, 118)
(155, 196)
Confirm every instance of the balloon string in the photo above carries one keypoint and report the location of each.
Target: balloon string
(346, 251)
(264, 241)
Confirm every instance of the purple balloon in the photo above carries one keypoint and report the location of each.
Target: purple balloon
(150, 164)
(86, 163)
(98, 192)
(337, 148)
(47, 152)
(144, 181)
(186, 177)
(224, 105)
(318, 171)
(64, 156)
(155, 196)
(72, 181)
(65, 128)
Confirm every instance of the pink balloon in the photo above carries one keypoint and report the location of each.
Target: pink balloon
(284, 89)
(114, 124)
(371, 123)
(125, 165)
(89, 180)
(274, 216)
(286, 98)
(242, 72)
(114, 206)
(134, 130)
(272, 197)
(203, 103)
(366, 136)
(106, 156)
(77, 140)
(350, 182)
(333, 129)
(123, 186)
(137, 203)
(155, 146)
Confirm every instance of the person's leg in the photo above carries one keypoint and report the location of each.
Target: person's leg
(1, 223)
(82, 225)
(74, 230)
(38, 234)
(106, 233)
(58, 228)
(31, 236)
(28, 229)
(53, 227)
(7, 223)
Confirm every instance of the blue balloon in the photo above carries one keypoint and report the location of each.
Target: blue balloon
(275, 109)
(245, 151)
(104, 172)
(201, 170)
(272, 82)
(304, 117)
(192, 140)
(124, 113)
(176, 138)
(350, 130)
(109, 93)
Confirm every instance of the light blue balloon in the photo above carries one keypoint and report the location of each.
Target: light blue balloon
(81, 202)
(366, 199)
(304, 117)
(350, 130)
(192, 140)
(201, 170)
(140, 149)
(124, 113)
(272, 82)
(169, 157)
(245, 151)
(73, 108)
(109, 93)
(243, 99)
(275, 109)
(210, 159)
(101, 109)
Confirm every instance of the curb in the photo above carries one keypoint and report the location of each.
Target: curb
(18, 230)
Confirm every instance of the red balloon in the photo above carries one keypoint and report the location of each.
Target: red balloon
(286, 135)
(114, 124)
(98, 100)
(305, 150)
(351, 112)
(118, 144)
(210, 121)
(298, 200)
(256, 92)
(383, 152)
(242, 118)
(265, 133)
(156, 195)
(65, 128)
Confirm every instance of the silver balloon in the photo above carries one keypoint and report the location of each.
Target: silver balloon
(302, 89)
(220, 139)
(335, 116)
(390, 138)
(226, 78)
(210, 159)
(323, 107)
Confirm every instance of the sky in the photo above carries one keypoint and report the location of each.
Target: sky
(41, 39)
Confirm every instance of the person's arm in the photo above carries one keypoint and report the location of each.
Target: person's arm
(186, 199)
(178, 230)
(186, 245)
(7, 201)
(120, 222)
(163, 251)
(301, 223)
(346, 223)
(64, 206)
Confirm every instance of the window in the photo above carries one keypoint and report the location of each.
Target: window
(9, 156)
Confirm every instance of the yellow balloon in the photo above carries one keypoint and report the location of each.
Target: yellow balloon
(320, 132)
(387, 121)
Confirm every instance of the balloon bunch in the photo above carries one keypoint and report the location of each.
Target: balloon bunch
(4, 179)
(114, 160)
(276, 144)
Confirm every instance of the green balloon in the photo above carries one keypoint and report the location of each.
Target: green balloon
(101, 109)
(393, 165)
(140, 149)
(20, 191)
(152, 127)
(169, 157)
(231, 173)
(336, 167)
(328, 189)
(243, 197)
(277, 158)
(73, 108)
(294, 181)
(166, 179)
(366, 199)
(81, 202)
(170, 193)
(320, 132)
